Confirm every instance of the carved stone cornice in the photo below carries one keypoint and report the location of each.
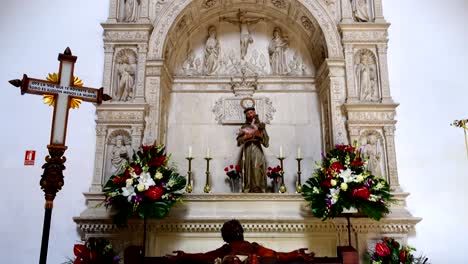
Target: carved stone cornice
(118, 113)
(365, 113)
(126, 33)
(364, 33)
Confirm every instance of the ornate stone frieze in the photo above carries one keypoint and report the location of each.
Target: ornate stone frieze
(228, 110)
(365, 36)
(119, 116)
(371, 116)
(125, 36)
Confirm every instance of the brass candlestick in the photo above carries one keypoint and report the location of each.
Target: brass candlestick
(189, 187)
(282, 188)
(207, 188)
(299, 184)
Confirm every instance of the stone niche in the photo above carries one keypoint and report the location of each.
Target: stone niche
(188, 64)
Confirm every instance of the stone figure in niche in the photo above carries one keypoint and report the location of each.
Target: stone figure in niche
(131, 10)
(211, 51)
(244, 23)
(361, 10)
(236, 248)
(119, 153)
(251, 137)
(366, 78)
(125, 78)
(372, 152)
(277, 51)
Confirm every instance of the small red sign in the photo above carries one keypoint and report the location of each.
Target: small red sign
(29, 157)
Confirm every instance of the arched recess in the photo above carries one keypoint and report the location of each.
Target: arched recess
(312, 10)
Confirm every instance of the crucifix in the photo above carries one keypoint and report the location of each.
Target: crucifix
(63, 93)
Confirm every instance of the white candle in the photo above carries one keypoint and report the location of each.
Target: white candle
(208, 152)
(281, 152)
(299, 154)
(190, 151)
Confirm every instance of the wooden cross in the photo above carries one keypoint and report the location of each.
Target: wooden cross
(63, 92)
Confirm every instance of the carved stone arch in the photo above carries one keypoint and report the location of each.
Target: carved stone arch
(162, 26)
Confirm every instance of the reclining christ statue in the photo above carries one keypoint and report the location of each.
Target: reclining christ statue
(237, 250)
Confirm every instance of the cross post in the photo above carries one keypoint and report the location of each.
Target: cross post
(63, 92)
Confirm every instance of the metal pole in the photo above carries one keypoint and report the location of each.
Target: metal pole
(45, 235)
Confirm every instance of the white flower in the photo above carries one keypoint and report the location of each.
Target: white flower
(334, 195)
(359, 178)
(129, 182)
(346, 175)
(158, 175)
(146, 180)
(315, 190)
(333, 182)
(133, 174)
(171, 182)
(140, 187)
(379, 186)
(344, 186)
(374, 198)
(128, 191)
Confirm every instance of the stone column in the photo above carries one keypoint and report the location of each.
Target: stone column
(108, 61)
(389, 134)
(350, 74)
(101, 135)
(346, 12)
(140, 87)
(378, 12)
(383, 69)
(113, 11)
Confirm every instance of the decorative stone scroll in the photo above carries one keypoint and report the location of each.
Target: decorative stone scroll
(229, 112)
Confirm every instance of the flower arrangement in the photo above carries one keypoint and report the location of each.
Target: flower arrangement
(342, 181)
(233, 172)
(146, 187)
(94, 251)
(389, 251)
(274, 173)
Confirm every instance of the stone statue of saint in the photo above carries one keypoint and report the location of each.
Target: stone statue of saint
(361, 10)
(211, 51)
(366, 79)
(251, 137)
(372, 152)
(243, 22)
(277, 52)
(119, 153)
(131, 10)
(125, 79)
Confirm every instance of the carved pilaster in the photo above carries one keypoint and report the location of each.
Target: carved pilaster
(152, 94)
(137, 135)
(350, 82)
(379, 18)
(389, 133)
(108, 60)
(142, 51)
(347, 13)
(101, 134)
(113, 11)
(144, 11)
(383, 68)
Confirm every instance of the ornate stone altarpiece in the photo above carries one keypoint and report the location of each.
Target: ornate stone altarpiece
(318, 72)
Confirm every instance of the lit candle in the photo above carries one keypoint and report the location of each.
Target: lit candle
(299, 154)
(281, 152)
(208, 152)
(189, 151)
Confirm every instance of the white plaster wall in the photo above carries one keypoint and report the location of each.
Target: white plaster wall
(191, 122)
(432, 161)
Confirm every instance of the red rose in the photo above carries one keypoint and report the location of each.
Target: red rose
(157, 161)
(238, 168)
(117, 180)
(337, 166)
(146, 149)
(231, 166)
(326, 183)
(268, 174)
(403, 256)
(80, 251)
(362, 192)
(136, 168)
(154, 192)
(269, 168)
(382, 250)
(357, 162)
(349, 148)
(226, 169)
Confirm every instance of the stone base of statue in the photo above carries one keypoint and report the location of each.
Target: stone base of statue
(236, 185)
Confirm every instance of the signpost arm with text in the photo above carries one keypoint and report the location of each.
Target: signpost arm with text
(63, 93)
